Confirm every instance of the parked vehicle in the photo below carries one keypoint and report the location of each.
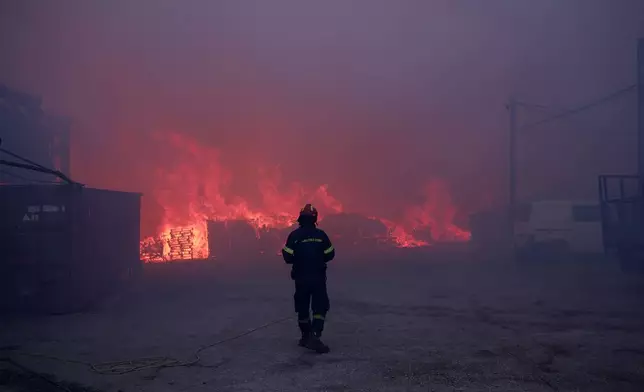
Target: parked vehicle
(551, 228)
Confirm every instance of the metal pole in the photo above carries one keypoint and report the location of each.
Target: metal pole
(640, 111)
(512, 107)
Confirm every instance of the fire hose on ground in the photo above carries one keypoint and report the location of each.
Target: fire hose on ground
(128, 366)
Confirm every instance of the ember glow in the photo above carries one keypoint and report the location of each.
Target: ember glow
(195, 190)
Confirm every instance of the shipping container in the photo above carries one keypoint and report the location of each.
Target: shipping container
(63, 247)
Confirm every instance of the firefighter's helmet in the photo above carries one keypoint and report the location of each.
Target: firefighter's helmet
(308, 214)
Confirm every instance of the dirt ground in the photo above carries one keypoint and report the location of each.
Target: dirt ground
(434, 325)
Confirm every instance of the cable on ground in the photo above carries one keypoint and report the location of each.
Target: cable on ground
(128, 366)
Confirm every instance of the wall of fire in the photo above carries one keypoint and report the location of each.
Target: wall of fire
(239, 240)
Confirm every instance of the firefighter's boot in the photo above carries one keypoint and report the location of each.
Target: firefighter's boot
(305, 329)
(314, 343)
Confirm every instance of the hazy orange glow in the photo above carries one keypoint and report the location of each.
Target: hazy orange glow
(192, 192)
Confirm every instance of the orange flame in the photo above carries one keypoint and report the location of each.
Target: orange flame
(436, 213)
(193, 191)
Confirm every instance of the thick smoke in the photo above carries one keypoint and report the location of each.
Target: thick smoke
(375, 99)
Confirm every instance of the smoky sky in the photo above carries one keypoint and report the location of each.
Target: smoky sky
(372, 97)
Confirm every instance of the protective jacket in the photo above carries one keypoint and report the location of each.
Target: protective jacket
(308, 249)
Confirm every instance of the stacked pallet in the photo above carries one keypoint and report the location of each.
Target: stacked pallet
(180, 244)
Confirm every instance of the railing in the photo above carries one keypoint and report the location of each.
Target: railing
(622, 211)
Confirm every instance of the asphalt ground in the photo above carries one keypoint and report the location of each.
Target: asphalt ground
(434, 323)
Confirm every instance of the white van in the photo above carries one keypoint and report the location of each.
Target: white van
(576, 224)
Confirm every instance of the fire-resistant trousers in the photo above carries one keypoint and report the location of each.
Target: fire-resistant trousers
(311, 295)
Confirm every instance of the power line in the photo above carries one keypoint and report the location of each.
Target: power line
(587, 106)
(33, 166)
(11, 154)
(18, 176)
(533, 105)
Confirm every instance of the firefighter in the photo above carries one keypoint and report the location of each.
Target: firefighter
(308, 249)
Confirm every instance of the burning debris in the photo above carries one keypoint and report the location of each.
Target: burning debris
(152, 249)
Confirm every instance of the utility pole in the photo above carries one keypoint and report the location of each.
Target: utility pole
(512, 172)
(640, 111)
